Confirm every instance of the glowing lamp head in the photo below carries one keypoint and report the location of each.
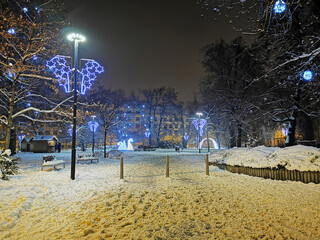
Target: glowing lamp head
(76, 37)
(199, 114)
(279, 6)
(307, 75)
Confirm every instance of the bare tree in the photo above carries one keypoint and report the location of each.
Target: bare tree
(29, 36)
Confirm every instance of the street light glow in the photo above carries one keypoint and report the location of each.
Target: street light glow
(76, 37)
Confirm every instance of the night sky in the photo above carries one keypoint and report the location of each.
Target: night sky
(147, 43)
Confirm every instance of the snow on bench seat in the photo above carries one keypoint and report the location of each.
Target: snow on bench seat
(53, 164)
(86, 157)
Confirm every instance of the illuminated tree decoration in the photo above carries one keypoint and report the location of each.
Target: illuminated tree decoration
(147, 134)
(88, 74)
(199, 125)
(21, 137)
(285, 131)
(307, 75)
(186, 137)
(61, 71)
(70, 132)
(12, 31)
(279, 6)
(93, 125)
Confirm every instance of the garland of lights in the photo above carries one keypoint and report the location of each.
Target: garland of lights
(58, 65)
(199, 125)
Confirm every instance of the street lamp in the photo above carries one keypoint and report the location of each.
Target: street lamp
(199, 114)
(76, 38)
(59, 67)
(93, 125)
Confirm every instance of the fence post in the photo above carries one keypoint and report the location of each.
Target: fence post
(167, 166)
(121, 168)
(207, 164)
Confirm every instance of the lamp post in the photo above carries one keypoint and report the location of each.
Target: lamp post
(76, 38)
(59, 67)
(199, 114)
(93, 125)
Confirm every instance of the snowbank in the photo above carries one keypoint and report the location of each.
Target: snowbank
(298, 157)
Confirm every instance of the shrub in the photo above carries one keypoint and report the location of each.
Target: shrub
(8, 165)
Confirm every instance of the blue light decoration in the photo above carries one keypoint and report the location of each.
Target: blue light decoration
(12, 31)
(199, 125)
(70, 132)
(307, 75)
(279, 6)
(93, 125)
(62, 72)
(285, 131)
(147, 133)
(25, 9)
(88, 74)
(21, 137)
(186, 137)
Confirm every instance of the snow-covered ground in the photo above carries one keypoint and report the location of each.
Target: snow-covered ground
(188, 205)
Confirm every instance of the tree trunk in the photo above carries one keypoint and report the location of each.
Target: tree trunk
(232, 142)
(239, 135)
(9, 119)
(105, 143)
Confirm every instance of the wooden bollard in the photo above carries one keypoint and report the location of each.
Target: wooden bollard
(167, 166)
(121, 168)
(207, 164)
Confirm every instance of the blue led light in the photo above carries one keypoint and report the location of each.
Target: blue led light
(88, 75)
(93, 125)
(147, 134)
(279, 6)
(12, 31)
(307, 75)
(70, 132)
(25, 9)
(199, 125)
(61, 71)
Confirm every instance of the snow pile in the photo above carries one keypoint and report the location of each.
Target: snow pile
(115, 154)
(298, 157)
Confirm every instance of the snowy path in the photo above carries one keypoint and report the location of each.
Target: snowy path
(146, 205)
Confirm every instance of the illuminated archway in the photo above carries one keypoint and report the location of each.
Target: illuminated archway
(214, 143)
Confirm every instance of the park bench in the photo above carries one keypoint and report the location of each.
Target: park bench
(50, 161)
(84, 157)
